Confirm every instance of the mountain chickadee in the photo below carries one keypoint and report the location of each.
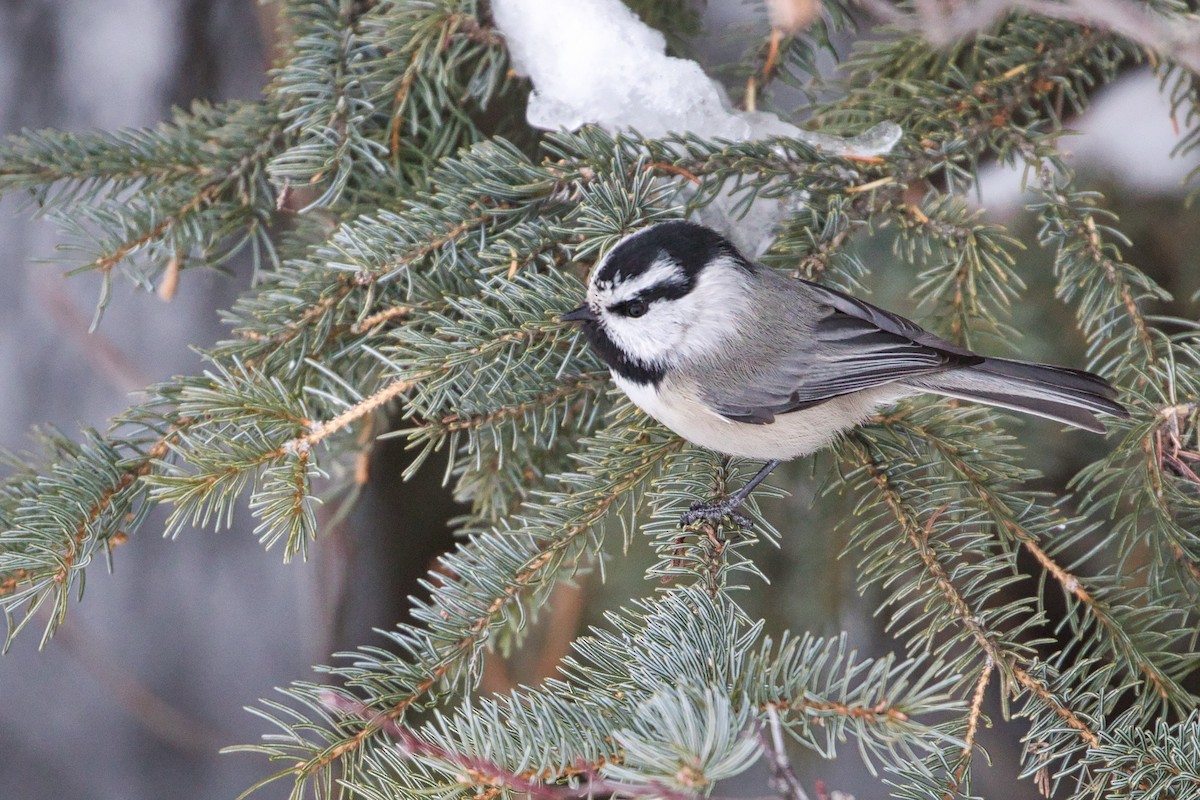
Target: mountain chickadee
(746, 361)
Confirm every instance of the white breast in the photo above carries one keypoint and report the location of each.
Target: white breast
(791, 435)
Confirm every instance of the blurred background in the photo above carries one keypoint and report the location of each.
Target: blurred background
(148, 677)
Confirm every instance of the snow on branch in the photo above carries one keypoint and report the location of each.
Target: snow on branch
(594, 61)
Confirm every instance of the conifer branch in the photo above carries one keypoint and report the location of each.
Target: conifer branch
(343, 285)
(958, 776)
(543, 559)
(39, 561)
(1085, 257)
(73, 167)
(399, 99)
(452, 234)
(157, 191)
(400, 312)
(77, 543)
(481, 774)
(570, 387)
(880, 713)
(368, 405)
(195, 205)
(326, 98)
(989, 642)
(976, 480)
(449, 657)
(434, 276)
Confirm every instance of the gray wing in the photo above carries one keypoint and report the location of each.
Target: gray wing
(852, 345)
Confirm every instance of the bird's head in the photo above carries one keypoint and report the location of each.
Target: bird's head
(672, 291)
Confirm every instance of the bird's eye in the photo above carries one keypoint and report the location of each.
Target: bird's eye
(635, 308)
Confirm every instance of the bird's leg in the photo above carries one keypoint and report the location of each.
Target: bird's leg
(718, 510)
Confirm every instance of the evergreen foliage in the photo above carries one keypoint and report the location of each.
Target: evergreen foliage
(415, 243)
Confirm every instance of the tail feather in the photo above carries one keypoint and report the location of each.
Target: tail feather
(1066, 395)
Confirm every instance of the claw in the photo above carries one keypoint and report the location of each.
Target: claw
(716, 512)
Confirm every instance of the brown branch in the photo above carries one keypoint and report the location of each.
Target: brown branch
(479, 773)
(398, 101)
(1068, 716)
(205, 196)
(342, 287)
(386, 315)
(782, 777)
(973, 717)
(763, 76)
(675, 169)
(356, 412)
(878, 183)
(976, 712)
(461, 422)
(879, 712)
(143, 467)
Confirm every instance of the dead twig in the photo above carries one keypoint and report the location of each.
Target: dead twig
(783, 777)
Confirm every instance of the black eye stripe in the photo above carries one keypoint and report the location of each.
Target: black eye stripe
(663, 291)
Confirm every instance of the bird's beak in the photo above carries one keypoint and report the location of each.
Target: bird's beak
(582, 314)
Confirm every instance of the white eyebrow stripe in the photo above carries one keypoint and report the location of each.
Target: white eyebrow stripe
(663, 270)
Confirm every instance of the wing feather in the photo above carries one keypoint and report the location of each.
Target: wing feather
(850, 346)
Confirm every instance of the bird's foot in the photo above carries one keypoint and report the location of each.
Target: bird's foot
(715, 512)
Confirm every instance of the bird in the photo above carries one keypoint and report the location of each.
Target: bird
(748, 361)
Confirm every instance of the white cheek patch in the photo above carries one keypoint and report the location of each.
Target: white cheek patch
(694, 326)
(713, 312)
(649, 339)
